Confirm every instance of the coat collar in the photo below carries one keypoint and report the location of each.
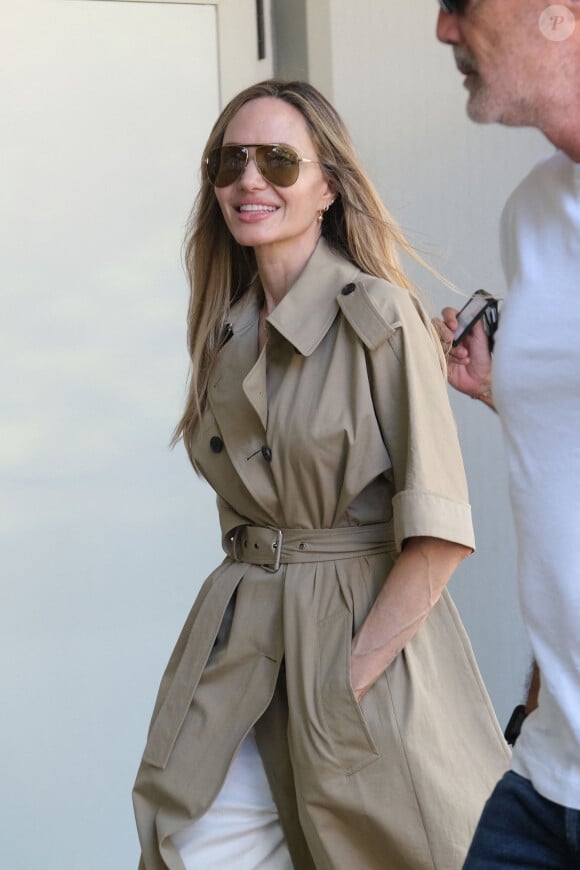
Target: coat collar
(309, 308)
(303, 318)
(238, 393)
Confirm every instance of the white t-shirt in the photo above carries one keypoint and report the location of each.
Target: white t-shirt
(537, 394)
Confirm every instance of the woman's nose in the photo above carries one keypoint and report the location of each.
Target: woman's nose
(251, 176)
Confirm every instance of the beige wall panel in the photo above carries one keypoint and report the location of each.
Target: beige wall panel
(239, 64)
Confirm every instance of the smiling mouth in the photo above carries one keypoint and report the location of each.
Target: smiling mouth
(257, 208)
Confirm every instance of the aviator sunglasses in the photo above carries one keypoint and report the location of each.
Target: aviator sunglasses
(278, 164)
(454, 7)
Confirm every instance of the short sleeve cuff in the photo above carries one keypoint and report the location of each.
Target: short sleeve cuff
(418, 514)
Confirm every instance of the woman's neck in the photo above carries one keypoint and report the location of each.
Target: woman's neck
(279, 270)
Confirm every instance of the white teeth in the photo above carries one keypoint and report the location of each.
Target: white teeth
(257, 208)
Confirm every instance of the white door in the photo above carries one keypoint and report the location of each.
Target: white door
(104, 109)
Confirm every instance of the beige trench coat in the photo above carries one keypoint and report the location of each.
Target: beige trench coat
(342, 423)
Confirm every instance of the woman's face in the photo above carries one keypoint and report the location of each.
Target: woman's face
(281, 221)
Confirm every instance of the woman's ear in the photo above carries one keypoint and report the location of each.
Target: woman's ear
(329, 196)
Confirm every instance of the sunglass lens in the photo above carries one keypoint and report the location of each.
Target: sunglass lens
(225, 164)
(453, 7)
(278, 165)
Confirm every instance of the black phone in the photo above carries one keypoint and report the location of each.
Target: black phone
(481, 304)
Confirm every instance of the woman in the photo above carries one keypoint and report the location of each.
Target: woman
(318, 412)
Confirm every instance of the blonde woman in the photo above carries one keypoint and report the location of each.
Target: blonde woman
(322, 707)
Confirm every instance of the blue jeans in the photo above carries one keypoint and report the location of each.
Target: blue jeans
(520, 828)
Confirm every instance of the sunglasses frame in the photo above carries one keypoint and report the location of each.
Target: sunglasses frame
(262, 169)
(454, 7)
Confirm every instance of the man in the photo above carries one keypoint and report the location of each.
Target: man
(521, 65)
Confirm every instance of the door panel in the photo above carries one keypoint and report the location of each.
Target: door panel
(105, 108)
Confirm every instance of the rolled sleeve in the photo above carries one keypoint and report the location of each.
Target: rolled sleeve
(411, 401)
(424, 513)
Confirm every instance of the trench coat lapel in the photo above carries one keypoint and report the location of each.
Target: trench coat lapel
(237, 363)
(238, 392)
(237, 398)
(309, 308)
(255, 388)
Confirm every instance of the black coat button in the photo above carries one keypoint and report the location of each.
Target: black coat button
(267, 454)
(348, 289)
(216, 444)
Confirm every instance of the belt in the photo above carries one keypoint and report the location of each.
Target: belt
(253, 545)
(270, 547)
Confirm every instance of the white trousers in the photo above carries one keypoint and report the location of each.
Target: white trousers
(241, 830)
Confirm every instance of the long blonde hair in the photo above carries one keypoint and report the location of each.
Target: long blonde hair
(221, 271)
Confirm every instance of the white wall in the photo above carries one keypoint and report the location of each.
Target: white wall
(445, 179)
(104, 109)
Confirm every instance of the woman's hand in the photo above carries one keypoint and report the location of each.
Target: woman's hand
(412, 588)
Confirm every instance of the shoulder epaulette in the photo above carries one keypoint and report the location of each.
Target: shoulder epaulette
(364, 304)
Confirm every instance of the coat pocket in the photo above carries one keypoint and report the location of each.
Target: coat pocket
(343, 717)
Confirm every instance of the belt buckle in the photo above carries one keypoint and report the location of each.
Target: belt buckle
(235, 544)
(277, 549)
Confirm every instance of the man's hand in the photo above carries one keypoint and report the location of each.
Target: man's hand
(469, 365)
